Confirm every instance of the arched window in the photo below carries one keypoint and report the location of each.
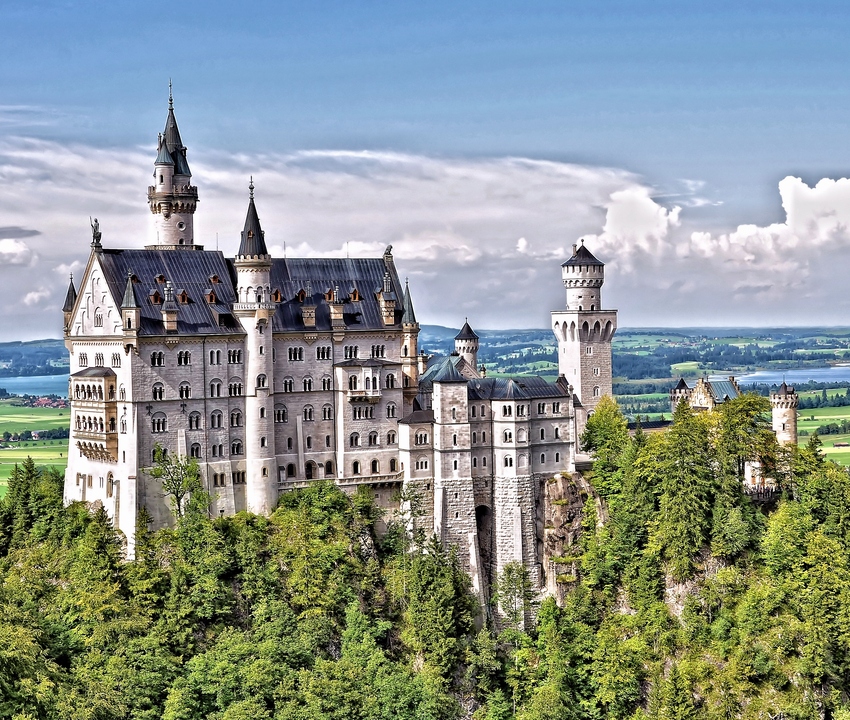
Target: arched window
(262, 413)
(185, 391)
(261, 381)
(454, 439)
(236, 447)
(352, 382)
(123, 425)
(194, 421)
(390, 381)
(329, 469)
(542, 433)
(327, 412)
(236, 419)
(474, 462)
(308, 384)
(557, 433)
(195, 450)
(327, 383)
(110, 485)
(158, 391)
(542, 458)
(309, 442)
(509, 436)
(368, 383)
(391, 410)
(215, 388)
(391, 436)
(596, 391)
(280, 414)
(454, 464)
(354, 440)
(373, 438)
(290, 470)
(376, 467)
(509, 461)
(355, 468)
(263, 441)
(484, 462)
(287, 385)
(308, 412)
(159, 423)
(393, 465)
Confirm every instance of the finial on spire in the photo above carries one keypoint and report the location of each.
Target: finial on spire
(251, 187)
(170, 96)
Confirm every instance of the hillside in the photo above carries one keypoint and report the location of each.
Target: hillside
(682, 598)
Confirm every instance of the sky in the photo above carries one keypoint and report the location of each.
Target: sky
(699, 149)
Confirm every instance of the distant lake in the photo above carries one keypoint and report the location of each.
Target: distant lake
(835, 373)
(36, 385)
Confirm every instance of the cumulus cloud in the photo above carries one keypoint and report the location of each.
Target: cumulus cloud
(14, 252)
(479, 237)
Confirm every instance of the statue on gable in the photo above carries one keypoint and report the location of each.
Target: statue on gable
(95, 231)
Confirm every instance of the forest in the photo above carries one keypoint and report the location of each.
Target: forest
(683, 598)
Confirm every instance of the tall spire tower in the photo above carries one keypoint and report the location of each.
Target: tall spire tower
(172, 198)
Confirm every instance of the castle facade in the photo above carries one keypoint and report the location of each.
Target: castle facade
(272, 372)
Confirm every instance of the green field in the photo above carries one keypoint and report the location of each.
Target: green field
(16, 419)
(46, 453)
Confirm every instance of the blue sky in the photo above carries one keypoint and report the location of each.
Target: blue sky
(704, 107)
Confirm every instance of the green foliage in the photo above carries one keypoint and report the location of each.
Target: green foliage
(687, 600)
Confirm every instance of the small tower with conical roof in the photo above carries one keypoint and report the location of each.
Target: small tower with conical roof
(254, 308)
(68, 307)
(783, 405)
(466, 345)
(585, 331)
(172, 198)
(409, 349)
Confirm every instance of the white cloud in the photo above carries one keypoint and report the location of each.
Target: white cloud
(478, 237)
(14, 252)
(36, 297)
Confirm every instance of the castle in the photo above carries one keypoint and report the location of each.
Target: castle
(272, 372)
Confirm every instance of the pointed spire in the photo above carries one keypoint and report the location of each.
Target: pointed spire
(70, 297)
(409, 317)
(163, 156)
(129, 301)
(170, 96)
(173, 141)
(253, 239)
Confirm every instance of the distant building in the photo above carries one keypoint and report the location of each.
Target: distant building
(273, 372)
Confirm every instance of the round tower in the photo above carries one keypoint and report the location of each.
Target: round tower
(783, 405)
(172, 198)
(255, 309)
(466, 345)
(583, 277)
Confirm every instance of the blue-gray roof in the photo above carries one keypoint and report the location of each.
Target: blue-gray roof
(582, 256)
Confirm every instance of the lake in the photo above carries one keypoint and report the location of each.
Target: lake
(836, 373)
(36, 385)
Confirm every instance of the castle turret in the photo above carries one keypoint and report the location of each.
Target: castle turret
(679, 393)
(68, 307)
(783, 404)
(410, 350)
(255, 309)
(130, 314)
(585, 331)
(172, 198)
(466, 345)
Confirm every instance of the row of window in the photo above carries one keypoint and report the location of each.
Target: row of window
(354, 439)
(83, 360)
(374, 467)
(83, 391)
(372, 383)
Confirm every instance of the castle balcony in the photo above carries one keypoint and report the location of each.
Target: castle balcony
(252, 306)
(97, 445)
(369, 396)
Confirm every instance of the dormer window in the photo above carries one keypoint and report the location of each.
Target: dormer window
(160, 279)
(183, 297)
(156, 298)
(276, 296)
(355, 295)
(209, 294)
(329, 294)
(214, 279)
(301, 296)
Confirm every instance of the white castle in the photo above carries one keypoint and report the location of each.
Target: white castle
(273, 372)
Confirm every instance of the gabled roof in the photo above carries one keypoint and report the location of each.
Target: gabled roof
(466, 333)
(681, 385)
(70, 297)
(582, 256)
(446, 372)
(723, 390)
(315, 275)
(409, 317)
(513, 389)
(97, 371)
(785, 389)
(188, 270)
(253, 241)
